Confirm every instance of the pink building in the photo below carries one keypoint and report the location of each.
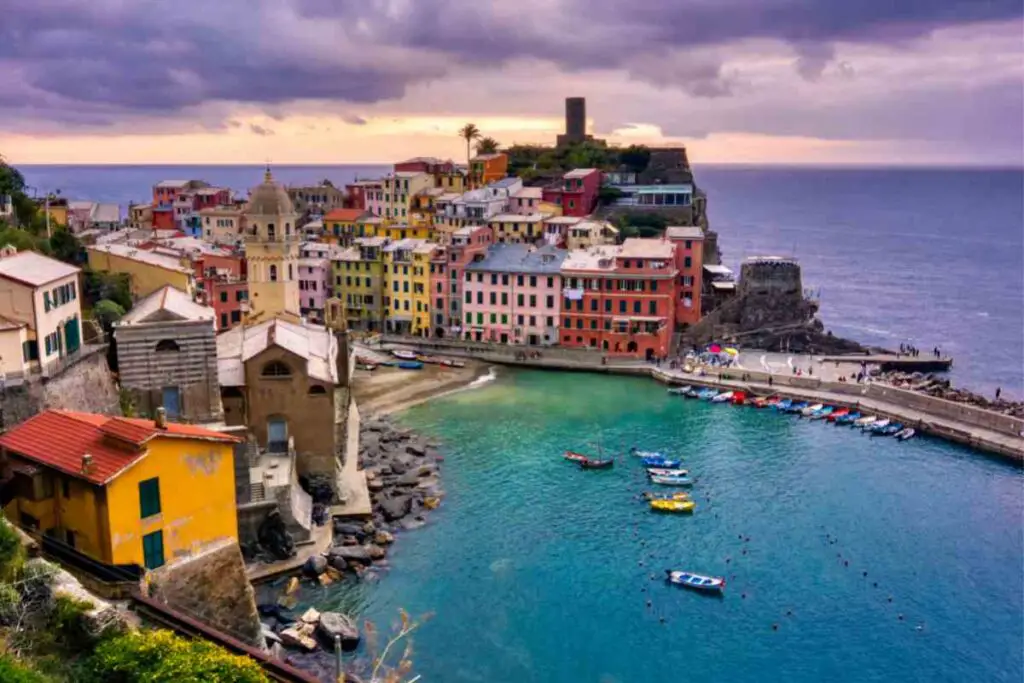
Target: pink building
(526, 201)
(511, 295)
(689, 258)
(314, 281)
(446, 277)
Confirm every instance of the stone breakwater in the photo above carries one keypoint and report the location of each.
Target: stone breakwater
(940, 387)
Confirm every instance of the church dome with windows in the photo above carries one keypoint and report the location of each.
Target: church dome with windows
(269, 199)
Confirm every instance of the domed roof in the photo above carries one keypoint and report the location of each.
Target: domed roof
(269, 199)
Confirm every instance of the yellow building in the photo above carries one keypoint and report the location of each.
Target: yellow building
(123, 491)
(358, 282)
(513, 228)
(421, 294)
(399, 190)
(341, 226)
(147, 270)
(420, 230)
(57, 208)
(399, 281)
(271, 252)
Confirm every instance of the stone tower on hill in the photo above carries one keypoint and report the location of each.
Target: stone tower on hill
(272, 253)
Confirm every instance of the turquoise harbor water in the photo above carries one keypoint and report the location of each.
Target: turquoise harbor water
(536, 571)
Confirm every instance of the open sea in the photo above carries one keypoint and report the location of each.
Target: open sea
(928, 257)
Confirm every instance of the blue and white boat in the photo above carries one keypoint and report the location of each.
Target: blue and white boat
(891, 429)
(810, 410)
(692, 393)
(662, 462)
(646, 454)
(679, 391)
(667, 472)
(697, 582)
(722, 397)
(410, 365)
(823, 413)
(796, 407)
(784, 404)
(848, 419)
(707, 394)
(877, 426)
(907, 433)
(671, 480)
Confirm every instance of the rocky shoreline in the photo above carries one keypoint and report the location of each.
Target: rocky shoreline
(403, 476)
(940, 387)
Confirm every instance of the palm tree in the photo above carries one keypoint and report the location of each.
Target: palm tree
(469, 132)
(486, 146)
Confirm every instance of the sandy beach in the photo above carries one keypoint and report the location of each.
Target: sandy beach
(388, 390)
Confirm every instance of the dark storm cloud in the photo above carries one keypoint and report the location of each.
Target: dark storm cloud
(160, 57)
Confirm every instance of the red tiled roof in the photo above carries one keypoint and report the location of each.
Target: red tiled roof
(59, 439)
(343, 214)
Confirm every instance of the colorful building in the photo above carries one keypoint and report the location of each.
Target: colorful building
(359, 283)
(399, 302)
(577, 193)
(689, 259)
(40, 312)
(122, 490)
(446, 277)
(620, 299)
(422, 257)
(511, 295)
(514, 228)
(340, 226)
(147, 270)
(356, 193)
(314, 281)
(588, 233)
(487, 168)
(165, 194)
(222, 225)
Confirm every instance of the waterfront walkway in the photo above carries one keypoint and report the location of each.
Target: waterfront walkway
(982, 429)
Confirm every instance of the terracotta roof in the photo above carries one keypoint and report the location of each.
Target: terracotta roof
(59, 438)
(343, 214)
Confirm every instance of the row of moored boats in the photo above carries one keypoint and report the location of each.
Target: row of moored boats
(872, 424)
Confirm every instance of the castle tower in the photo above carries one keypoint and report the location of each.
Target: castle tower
(271, 252)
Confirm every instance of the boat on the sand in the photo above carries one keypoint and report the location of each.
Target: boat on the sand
(698, 582)
(402, 354)
(677, 506)
(410, 365)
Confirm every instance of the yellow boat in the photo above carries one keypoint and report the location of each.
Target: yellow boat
(674, 496)
(673, 505)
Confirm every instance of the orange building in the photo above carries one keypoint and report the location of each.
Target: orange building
(689, 260)
(486, 168)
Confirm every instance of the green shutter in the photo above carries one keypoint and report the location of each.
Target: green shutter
(149, 497)
(153, 549)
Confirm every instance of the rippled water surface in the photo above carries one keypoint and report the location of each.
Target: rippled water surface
(536, 571)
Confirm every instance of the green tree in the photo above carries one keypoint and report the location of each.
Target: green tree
(486, 145)
(107, 313)
(66, 247)
(469, 133)
(97, 285)
(636, 157)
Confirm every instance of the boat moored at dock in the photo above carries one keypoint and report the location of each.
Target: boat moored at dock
(864, 421)
(723, 397)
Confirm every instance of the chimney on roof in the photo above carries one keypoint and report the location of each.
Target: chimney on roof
(160, 422)
(87, 463)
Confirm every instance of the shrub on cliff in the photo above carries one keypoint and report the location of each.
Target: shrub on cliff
(162, 657)
(13, 671)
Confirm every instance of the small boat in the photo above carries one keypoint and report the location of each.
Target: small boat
(678, 495)
(796, 407)
(666, 472)
(574, 456)
(676, 506)
(646, 454)
(810, 410)
(864, 421)
(663, 463)
(722, 397)
(679, 391)
(364, 365)
(823, 413)
(784, 404)
(905, 434)
(692, 393)
(410, 365)
(891, 429)
(738, 398)
(848, 419)
(449, 363)
(402, 354)
(671, 480)
(706, 584)
(596, 464)
(877, 426)
(707, 394)
(837, 413)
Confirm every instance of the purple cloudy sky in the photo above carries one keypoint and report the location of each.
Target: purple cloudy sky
(871, 81)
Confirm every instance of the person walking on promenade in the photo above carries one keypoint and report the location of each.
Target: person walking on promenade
(999, 390)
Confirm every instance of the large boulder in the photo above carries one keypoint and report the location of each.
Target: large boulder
(350, 554)
(347, 528)
(416, 448)
(376, 552)
(409, 479)
(397, 507)
(295, 637)
(314, 566)
(334, 624)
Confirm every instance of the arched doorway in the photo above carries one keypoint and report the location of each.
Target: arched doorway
(631, 347)
(439, 333)
(649, 354)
